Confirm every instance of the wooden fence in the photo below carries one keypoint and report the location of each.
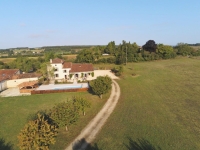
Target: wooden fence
(25, 90)
(58, 91)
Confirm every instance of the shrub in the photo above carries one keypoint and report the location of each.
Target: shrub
(37, 134)
(70, 76)
(92, 74)
(56, 81)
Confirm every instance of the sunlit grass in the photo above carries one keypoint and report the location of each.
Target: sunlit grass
(160, 104)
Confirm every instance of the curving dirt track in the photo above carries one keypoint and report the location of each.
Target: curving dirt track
(89, 133)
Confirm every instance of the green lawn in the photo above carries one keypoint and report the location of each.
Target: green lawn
(159, 107)
(14, 112)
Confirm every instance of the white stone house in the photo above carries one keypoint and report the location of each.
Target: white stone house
(68, 71)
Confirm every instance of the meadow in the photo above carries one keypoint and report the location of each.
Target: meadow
(158, 109)
(15, 111)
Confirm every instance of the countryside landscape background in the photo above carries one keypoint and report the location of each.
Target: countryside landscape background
(153, 47)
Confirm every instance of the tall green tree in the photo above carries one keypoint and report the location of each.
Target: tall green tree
(101, 85)
(150, 46)
(49, 55)
(110, 48)
(183, 49)
(81, 103)
(64, 114)
(165, 51)
(86, 56)
(37, 134)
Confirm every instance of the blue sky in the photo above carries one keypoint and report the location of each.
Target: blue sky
(36, 23)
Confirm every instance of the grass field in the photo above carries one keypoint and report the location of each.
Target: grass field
(14, 112)
(196, 47)
(7, 60)
(70, 57)
(159, 108)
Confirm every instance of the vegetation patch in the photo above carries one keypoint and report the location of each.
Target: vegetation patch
(16, 111)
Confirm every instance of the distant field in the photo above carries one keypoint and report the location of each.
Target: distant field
(7, 60)
(14, 112)
(70, 57)
(196, 47)
(158, 107)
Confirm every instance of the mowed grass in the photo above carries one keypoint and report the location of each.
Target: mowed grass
(7, 60)
(159, 107)
(14, 112)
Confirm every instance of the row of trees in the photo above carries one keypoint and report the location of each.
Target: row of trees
(40, 132)
(26, 64)
(131, 52)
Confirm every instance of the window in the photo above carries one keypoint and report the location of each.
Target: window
(56, 69)
(56, 75)
(65, 71)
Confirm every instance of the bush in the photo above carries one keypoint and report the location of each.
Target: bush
(37, 134)
(92, 74)
(56, 81)
(70, 76)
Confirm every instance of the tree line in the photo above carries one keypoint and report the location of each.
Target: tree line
(131, 52)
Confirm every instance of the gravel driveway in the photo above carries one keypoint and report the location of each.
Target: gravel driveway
(89, 133)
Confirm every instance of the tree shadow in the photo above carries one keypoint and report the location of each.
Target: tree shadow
(93, 147)
(83, 144)
(141, 144)
(4, 145)
(91, 91)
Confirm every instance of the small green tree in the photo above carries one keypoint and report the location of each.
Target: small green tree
(81, 103)
(101, 85)
(92, 74)
(70, 75)
(37, 134)
(64, 114)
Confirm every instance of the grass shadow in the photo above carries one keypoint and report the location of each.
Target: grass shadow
(83, 144)
(4, 145)
(141, 144)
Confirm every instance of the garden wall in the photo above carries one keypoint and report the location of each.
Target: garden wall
(58, 91)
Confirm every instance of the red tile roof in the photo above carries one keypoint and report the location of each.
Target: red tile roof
(67, 65)
(81, 67)
(6, 74)
(57, 61)
(26, 75)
